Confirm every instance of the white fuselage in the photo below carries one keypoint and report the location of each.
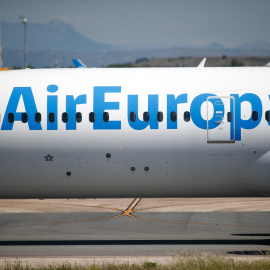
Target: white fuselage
(206, 155)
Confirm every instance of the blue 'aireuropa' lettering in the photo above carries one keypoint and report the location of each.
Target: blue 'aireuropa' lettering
(100, 106)
(71, 108)
(195, 111)
(52, 106)
(29, 104)
(152, 110)
(172, 107)
(256, 105)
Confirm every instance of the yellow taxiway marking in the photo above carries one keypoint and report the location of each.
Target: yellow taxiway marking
(126, 212)
(59, 222)
(93, 206)
(131, 208)
(200, 223)
(129, 213)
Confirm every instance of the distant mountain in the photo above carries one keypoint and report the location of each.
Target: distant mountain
(55, 35)
(216, 46)
(55, 43)
(259, 45)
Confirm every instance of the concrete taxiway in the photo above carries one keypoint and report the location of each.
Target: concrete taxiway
(133, 227)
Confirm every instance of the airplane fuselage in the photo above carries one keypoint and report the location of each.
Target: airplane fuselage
(147, 132)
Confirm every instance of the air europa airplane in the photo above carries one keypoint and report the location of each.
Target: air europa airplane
(148, 132)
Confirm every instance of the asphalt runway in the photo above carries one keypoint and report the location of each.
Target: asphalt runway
(135, 227)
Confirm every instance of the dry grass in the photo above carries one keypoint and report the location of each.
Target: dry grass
(201, 261)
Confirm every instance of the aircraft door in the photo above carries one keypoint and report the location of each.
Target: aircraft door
(220, 119)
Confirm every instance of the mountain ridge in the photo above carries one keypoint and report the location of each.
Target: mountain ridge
(54, 35)
(56, 43)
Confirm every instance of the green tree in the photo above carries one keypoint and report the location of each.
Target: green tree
(235, 63)
(125, 65)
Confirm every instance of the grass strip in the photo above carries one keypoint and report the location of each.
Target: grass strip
(202, 261)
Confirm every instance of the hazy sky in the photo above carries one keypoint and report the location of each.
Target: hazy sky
(152, 22)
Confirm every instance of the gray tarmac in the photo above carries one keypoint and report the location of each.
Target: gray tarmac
(134, 227)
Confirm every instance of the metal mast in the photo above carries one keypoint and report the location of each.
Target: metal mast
(24, 21)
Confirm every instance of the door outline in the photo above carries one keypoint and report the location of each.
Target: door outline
(232, 119)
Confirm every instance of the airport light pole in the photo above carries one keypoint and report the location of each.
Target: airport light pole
(24, 21)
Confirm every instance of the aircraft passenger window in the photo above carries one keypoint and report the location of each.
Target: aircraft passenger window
(160, 116)
(105, 117)
(37, 117)
(254, 116)
(229, 116)
(267, 115)
(11, 117)
(65, 117)
(146, 116)
(24, 117)
(51, 117)
(132, 117)
(92, 117)
(78, 117)
(173, 116)
(186, 116)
